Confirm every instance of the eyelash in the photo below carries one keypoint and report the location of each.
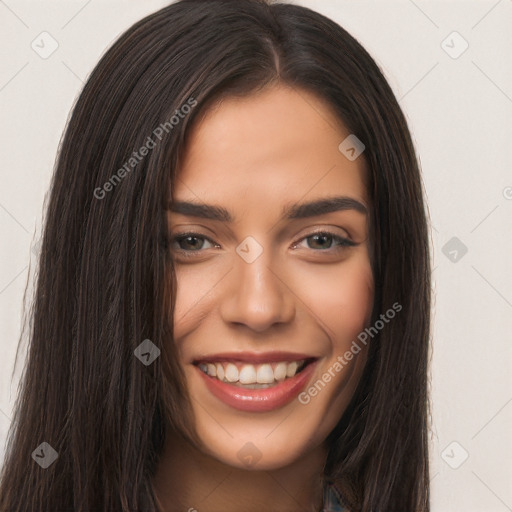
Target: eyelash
(343, 244)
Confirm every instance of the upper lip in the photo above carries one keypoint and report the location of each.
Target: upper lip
(253, 357)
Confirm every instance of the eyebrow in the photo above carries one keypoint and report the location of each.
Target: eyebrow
(290, 212)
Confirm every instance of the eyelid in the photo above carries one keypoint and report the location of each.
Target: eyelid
(325, 231)
(195, 234)
(346, 241)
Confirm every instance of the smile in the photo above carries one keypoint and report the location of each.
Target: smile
(252, 376)
(256, 387)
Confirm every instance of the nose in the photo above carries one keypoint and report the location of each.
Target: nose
(257, 296)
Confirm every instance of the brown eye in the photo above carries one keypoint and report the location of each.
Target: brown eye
(188, 243)
(323, 241)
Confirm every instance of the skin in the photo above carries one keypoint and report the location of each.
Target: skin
(253, 156)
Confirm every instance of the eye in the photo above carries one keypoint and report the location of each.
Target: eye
(190, 242)
(323, 241)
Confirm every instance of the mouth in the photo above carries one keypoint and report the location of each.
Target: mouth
(253, 376)
(256, 386)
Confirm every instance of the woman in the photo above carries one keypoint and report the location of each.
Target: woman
(233, 302)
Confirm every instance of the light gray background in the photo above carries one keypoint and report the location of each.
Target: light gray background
(460, 114)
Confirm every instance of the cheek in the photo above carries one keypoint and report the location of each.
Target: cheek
(354, 305)
(341, 297)
(343, 305)
(193, 286)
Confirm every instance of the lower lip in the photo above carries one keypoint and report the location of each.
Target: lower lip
(259, 400)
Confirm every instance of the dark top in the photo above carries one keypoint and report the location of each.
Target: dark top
(333, 502)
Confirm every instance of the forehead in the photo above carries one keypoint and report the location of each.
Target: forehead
(278, 145)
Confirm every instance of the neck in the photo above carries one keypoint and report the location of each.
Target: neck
(187, 479)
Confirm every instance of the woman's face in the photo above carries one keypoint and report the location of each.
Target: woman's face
(260, 290)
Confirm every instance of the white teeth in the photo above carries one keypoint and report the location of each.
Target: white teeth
(252, 375)
(292, 369)
(265, 375)
(280, 371)
(220, 371)
(248, 374)
(231, 373)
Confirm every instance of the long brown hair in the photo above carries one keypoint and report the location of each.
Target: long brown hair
(106, 282)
